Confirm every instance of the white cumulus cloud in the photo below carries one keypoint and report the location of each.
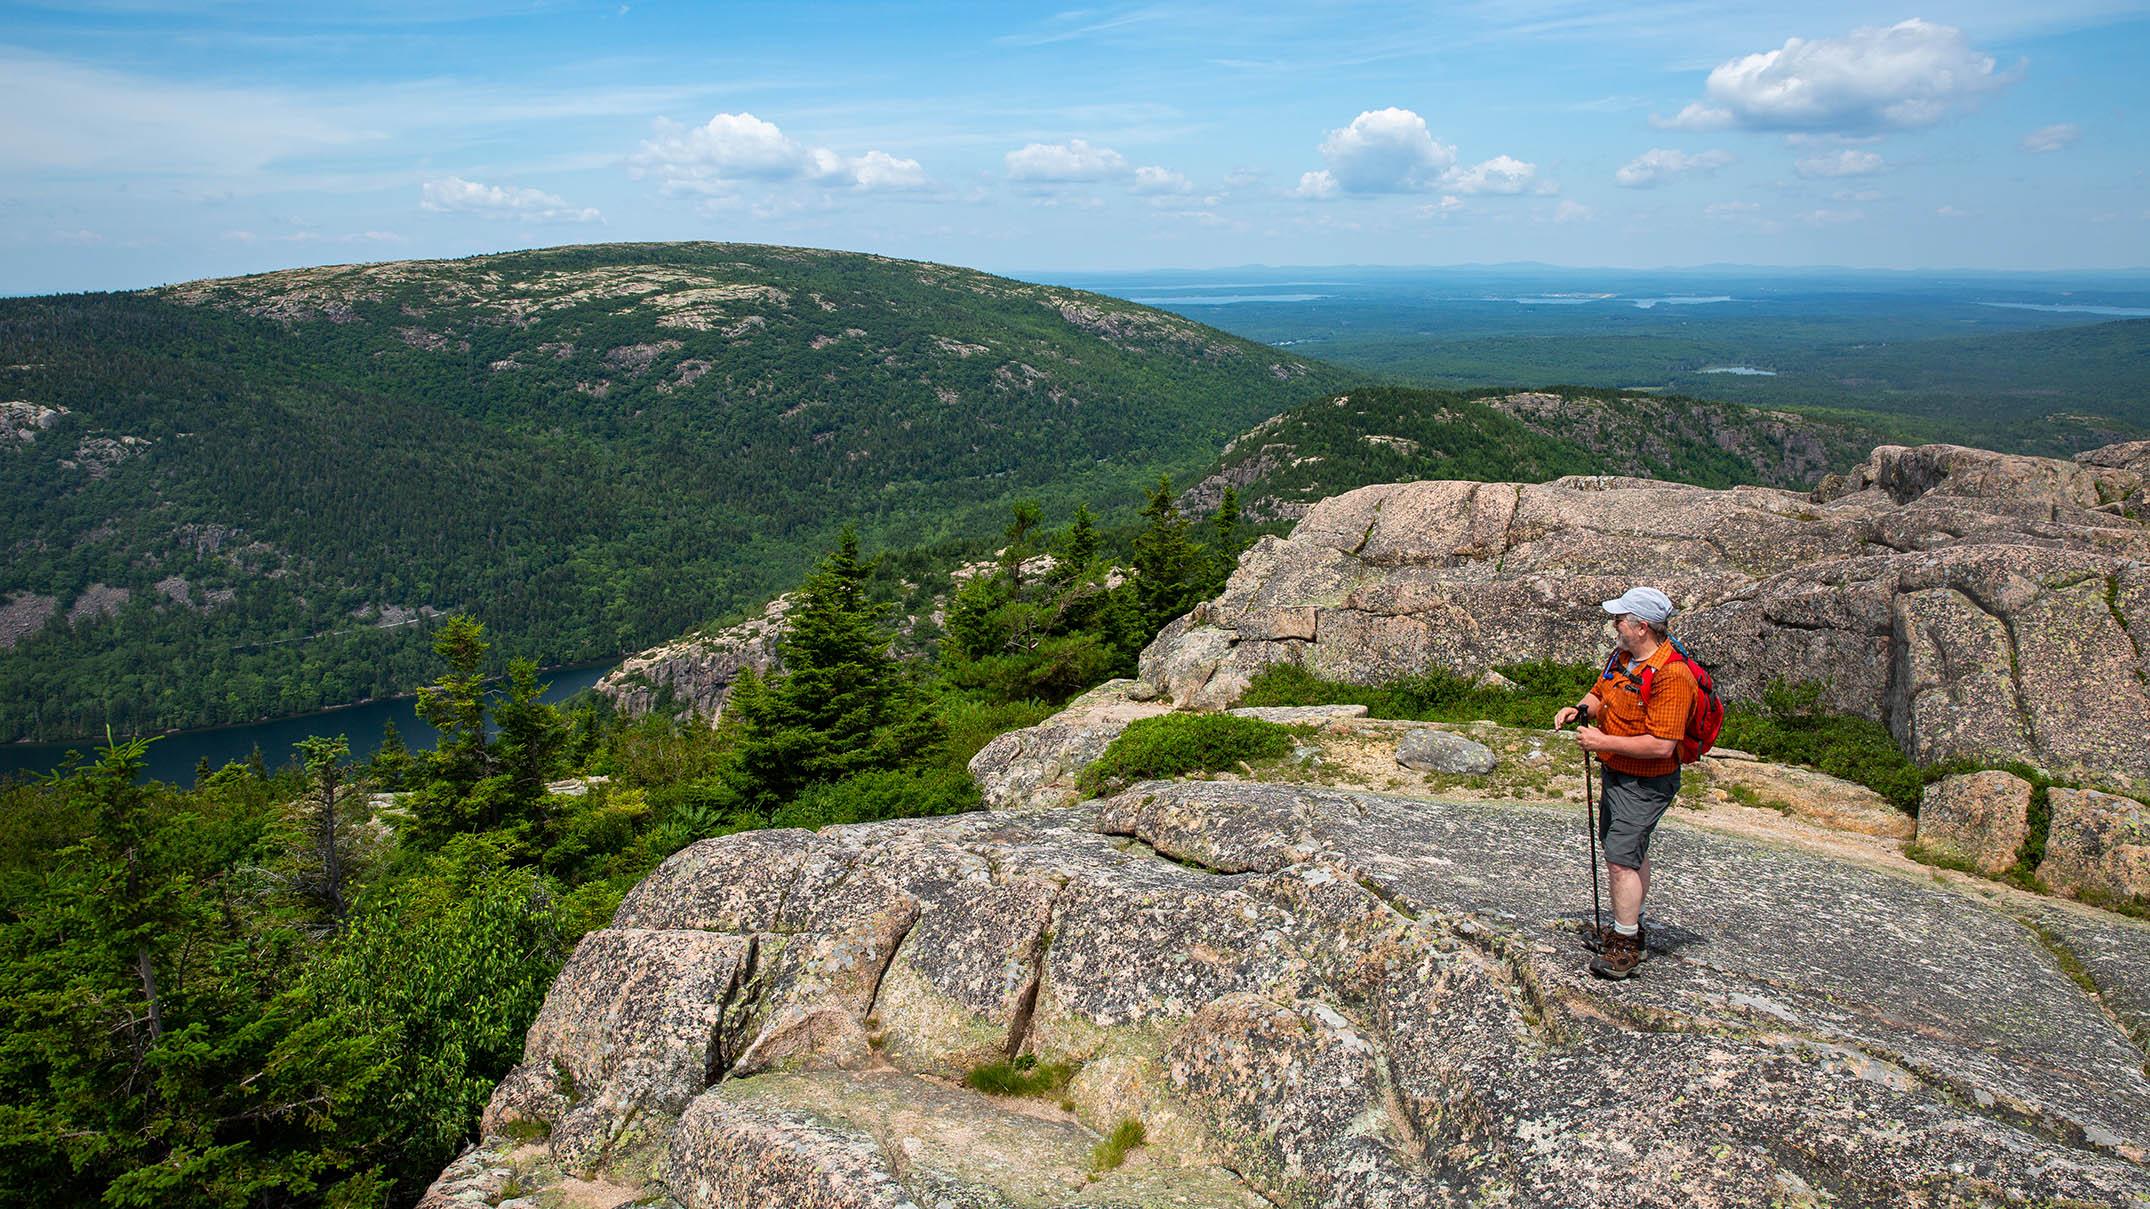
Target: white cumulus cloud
(1392, 151)
(1659, 165)
(1062, 163)
(1913, 73)
(1078, 162)
(1383, 151)
(880, 170)
(2051, 138)
(1849, 162)
(735, 147)
(454, 195)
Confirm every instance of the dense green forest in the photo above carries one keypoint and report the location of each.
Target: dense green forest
(297, 986)
(248, 498)
(1389, 434)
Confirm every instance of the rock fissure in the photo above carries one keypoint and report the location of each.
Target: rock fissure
(1515, 506)
(2072, 965)
(887, 958)
(740, 1002)
(1135, 842)
(1026, 1003)
(2135, 642)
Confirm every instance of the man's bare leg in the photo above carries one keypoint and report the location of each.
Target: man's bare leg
(1628, 887)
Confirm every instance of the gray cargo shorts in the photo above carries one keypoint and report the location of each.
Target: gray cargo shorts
(1628, 812)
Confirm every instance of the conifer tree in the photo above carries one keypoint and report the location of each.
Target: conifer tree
(456, 706)
(841, 705)
(323, 760)
(1027, 516)
(390, 767)
(532, 734)
(1167, 570)
(134, 901)
(1224, 541)
(1081, 546)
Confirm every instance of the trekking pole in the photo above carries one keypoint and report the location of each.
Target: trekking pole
(1590, 806)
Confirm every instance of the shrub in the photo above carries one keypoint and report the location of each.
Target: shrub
(1173, 745)
(1435, 695)
(971, 724)
(870, 797)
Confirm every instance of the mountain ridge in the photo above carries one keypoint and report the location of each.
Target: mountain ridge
(593, 447)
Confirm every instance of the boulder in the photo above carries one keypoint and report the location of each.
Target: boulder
(1038, 766)
(634, 1025)
(1808, 794)
(1980, 819)
(1441, 751)
(1315, 997)
(1982, 605)
(2097, 845)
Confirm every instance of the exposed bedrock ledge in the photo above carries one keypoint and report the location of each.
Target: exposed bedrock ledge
(1981, 604)
(1328, 997)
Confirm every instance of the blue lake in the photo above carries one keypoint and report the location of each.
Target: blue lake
(1216, 299)
(173, 756)
(2126, 312)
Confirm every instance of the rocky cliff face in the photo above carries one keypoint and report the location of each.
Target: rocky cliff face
(694, 675)
(1982, 604)
(1313, 997)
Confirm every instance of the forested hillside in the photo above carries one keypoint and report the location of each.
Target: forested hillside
(1395, 434)
(241, 498)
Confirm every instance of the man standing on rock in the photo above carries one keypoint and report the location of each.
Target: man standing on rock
(1637, 743)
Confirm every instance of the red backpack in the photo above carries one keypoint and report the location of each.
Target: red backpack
(1704, 722)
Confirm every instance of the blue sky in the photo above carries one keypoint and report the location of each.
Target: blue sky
(143, 142)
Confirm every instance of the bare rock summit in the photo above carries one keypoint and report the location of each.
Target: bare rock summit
(1982, 605)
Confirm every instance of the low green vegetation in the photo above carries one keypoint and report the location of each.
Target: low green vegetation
(1435, 695)
(1176, 745)
(1788, 726)
(1113, 1150)
(1791, 727)
(1022, 1075)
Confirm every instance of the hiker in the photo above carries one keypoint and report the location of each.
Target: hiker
(1637, 742)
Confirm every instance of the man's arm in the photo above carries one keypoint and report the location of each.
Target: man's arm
(1640, 747)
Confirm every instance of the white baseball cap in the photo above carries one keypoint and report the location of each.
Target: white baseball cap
(1646, 604)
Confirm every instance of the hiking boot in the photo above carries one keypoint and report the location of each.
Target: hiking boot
(1594, 938)
(1619, 956)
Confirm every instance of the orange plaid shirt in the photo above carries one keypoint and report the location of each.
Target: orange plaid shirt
(1621, 711)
